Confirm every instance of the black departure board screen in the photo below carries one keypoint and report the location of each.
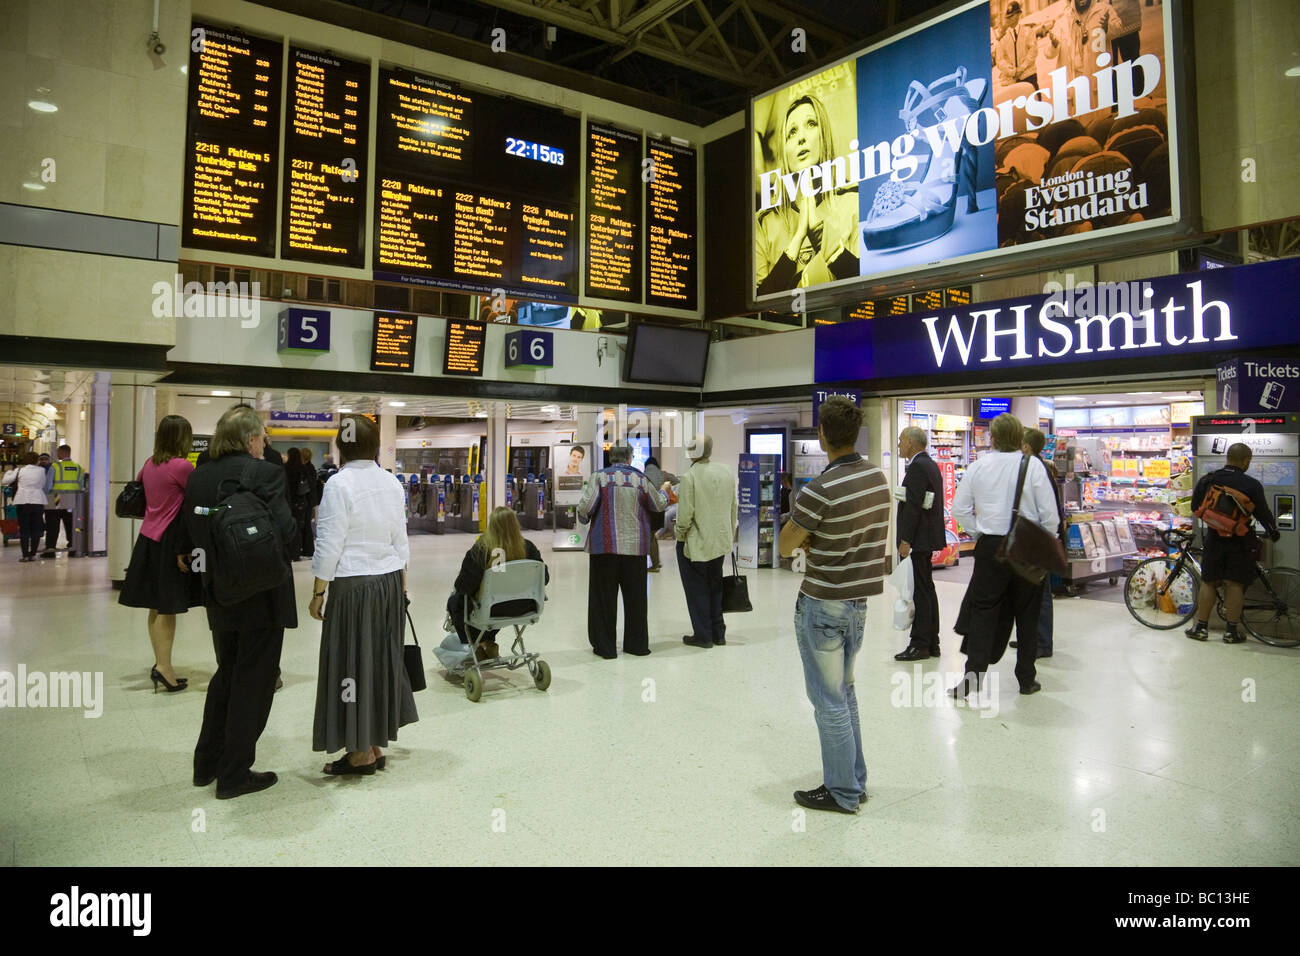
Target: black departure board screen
(232, 136)
(474, 192)
(326, 139)
(672, 255)
(393, 347)
(859, 312)
(613, 239)
(465, 345)
(929, 301)
(957, 296)
(893, 305)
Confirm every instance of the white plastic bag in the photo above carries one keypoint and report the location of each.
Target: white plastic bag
(900, 579)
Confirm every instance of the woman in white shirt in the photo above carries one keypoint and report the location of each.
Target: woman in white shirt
(363, 694)
(997, 596)
(29, 501)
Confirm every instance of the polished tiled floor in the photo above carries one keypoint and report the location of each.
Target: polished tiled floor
(1140, 750)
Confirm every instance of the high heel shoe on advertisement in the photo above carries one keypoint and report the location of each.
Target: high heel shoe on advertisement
(923, 208)
(157, 678)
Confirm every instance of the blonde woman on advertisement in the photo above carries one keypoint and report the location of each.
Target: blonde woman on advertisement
(806, 242)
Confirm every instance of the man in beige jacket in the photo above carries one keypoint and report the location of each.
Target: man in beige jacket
(706, 528)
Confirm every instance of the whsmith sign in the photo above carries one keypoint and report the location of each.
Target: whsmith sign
(1219, 311)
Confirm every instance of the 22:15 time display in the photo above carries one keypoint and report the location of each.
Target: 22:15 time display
(545, 154)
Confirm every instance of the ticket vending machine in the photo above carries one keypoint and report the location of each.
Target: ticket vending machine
(1274, 441)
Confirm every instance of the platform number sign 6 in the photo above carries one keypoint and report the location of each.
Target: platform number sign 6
(529, 348)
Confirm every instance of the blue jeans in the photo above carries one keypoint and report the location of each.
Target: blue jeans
(829, 634)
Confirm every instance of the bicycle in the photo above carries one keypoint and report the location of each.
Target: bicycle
(1161, 594)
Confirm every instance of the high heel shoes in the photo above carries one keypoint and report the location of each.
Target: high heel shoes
(157, 678)
(923, 207)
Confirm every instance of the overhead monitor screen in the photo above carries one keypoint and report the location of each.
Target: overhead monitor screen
(672, 247)
(393, 346)
(232, 135)
(474, 192)
(613, 239)
(465, 346)
(326, 138)
(664, 355)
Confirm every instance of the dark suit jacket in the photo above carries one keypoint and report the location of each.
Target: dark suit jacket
(276, 607)
(921, 528)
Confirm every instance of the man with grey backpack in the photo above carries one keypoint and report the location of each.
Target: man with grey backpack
(239, 525)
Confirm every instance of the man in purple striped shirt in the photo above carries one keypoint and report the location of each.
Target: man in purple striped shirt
(618, 500)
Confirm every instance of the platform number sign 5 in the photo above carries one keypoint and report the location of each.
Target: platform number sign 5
(529, 348)
(303, 330)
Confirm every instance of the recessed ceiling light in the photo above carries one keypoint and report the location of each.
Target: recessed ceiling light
(1146, 393)
(397, 404)
(34, 186)
(671, 413)
(1069, 398)
(220, 394)
(1293, 71)
(41, 106)
(344, 411)
(203, 401)
(1108, 402)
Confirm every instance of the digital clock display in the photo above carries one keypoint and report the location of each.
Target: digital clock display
(544, 154)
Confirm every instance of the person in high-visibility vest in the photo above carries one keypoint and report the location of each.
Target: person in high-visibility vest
(67, 485)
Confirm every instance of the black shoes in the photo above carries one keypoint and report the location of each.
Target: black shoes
(157, 678)
(252, 783)
(1013, 644)
(1032, 688)
(608, 657)
(345, 768)
(719, 642)
(203, 777)
(1040, 655)
(913, 654)
(1199, 631)
(645, 653)
(694, 641)
(822, 799)
(1230, 636)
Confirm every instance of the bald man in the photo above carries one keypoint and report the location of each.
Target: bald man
(920, 533)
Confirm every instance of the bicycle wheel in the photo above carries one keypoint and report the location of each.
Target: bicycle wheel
(1161, 594)
(1272, 609)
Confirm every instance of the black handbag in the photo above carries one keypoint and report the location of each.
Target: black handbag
(735, 590)
(413, 657)
(1029, 549)
(130, 500)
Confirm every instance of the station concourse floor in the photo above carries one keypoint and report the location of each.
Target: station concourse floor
(1140, 749)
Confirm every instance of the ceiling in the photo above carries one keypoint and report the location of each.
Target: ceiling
(710, 54)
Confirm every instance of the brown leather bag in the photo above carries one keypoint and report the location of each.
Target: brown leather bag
(1028, 548)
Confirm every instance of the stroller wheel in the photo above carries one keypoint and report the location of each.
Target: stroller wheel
(473, 685)
(542, 676)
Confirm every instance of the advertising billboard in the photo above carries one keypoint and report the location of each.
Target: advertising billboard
(1005, 125)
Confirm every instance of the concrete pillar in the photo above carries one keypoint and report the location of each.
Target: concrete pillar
(593, 429)
(130, 433)
(495, 465)
(388, 442)
(75, 432)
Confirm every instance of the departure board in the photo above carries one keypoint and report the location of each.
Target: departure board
(859, 312)
(232, 136)
(393, 346)
(474, 192)
(929, 301)
(613, 239)
(672, 256)
(326, 139)
(466, 342)
(892, 305)
(956, 295)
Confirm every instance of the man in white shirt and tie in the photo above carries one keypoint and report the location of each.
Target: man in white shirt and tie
(997, 596)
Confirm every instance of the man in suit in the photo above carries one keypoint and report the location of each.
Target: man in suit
(920, 534)
(247, 636)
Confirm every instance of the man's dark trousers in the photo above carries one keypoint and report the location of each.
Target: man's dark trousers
(996, 598)
(702, 582)
(53, 517)
(610, 574)
(238, 702)
(925, 625)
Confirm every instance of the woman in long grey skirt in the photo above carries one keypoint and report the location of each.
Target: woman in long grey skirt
(362, 692)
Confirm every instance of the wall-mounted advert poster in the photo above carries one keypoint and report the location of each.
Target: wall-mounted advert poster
(1005, 124)
(1151, 415)
(572, 468)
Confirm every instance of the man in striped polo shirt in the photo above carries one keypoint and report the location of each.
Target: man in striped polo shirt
(841, 522)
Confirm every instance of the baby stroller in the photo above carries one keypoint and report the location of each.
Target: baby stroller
(512, 581)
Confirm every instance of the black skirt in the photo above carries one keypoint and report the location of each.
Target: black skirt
(154, 581)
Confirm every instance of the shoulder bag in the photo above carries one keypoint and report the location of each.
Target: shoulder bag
(130, 501)
(413, 657)
(735, 590)
(1028, 548)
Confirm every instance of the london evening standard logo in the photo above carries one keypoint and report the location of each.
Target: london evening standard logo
(1012, 334)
